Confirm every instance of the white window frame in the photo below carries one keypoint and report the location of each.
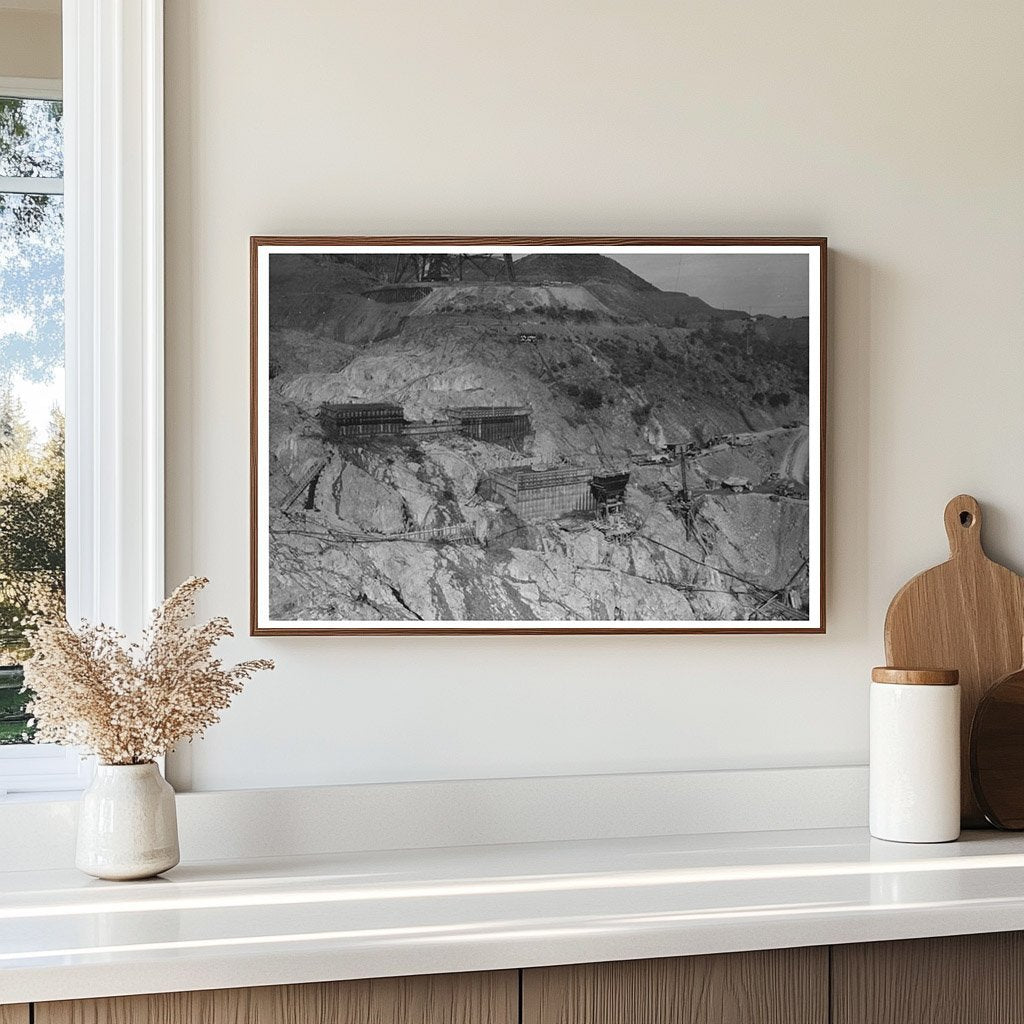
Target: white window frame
(114, 323)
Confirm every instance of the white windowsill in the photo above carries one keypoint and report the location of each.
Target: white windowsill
(47, 797)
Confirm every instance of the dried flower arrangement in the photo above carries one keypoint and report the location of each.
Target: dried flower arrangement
(130, 703)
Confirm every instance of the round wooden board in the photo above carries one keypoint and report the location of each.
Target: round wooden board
(997, 752)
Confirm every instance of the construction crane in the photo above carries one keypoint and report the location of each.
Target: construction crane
(433, 267)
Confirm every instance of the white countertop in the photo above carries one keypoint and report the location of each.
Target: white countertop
(351, 915)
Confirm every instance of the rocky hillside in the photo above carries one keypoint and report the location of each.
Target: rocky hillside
(579, 268)
(614, 372)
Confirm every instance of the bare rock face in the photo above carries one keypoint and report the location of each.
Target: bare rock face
(353, 498)
(759, 536)
(740, 548)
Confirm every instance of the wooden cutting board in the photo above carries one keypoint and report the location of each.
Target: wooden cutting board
(967, 614)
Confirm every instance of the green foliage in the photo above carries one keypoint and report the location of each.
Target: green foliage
(14, 727)
(590, 398)
(31, 548)
(31, 524)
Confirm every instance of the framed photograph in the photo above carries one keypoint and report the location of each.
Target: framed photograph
(537, 435)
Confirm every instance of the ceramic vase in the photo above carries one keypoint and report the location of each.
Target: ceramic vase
(127, 825)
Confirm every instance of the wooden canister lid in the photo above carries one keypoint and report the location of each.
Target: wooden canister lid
(916, 676)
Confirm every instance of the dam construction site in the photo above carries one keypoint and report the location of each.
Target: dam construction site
(545, 438)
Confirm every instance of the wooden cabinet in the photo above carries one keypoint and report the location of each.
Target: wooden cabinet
(491, 998)
(970, 979)
(963, 979)
(779, 986)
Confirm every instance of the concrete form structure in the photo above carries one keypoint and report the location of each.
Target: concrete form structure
(358, 419)
(544, 493)
(500, 423)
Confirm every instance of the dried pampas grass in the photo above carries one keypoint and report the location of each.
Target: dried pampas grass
(130, 703)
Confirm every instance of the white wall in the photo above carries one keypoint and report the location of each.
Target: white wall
(895, 129)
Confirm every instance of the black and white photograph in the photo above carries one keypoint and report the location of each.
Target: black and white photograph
(557, 435)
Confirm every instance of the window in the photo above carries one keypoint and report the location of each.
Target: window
(31, 383)
(111, 208)
(32, 531)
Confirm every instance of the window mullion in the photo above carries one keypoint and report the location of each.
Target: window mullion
(32, 186)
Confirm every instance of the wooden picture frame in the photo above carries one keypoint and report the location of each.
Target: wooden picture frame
(356, 505)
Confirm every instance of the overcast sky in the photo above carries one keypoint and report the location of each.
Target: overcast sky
(776, 283)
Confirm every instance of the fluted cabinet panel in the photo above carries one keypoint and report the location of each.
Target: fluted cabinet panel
(960, 979)
(483, 998)
(778, 986)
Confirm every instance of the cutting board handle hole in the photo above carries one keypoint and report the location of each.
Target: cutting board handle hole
(962, 517)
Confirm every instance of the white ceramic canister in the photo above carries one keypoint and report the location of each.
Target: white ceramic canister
(127, 824)
(915, 755)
